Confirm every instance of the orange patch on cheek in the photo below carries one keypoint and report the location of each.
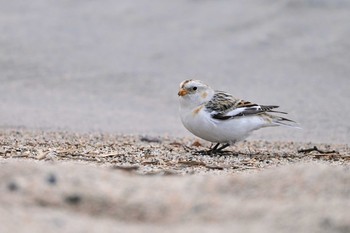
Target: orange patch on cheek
(196, 111)
(204, 95)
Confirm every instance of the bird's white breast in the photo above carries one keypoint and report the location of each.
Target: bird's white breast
(199, 122)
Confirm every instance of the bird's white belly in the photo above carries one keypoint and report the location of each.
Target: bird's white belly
(223, 131)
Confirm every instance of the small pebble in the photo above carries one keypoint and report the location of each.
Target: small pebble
(73, 199)
(150, 139)
(51, 179)
(12, 186)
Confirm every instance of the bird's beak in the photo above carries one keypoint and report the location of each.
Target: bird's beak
(182, 92)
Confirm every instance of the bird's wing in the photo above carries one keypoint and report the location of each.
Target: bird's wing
(224, 106)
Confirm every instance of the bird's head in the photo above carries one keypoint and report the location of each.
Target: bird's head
(194, 92)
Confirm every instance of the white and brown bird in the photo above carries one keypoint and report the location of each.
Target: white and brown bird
(218, 117)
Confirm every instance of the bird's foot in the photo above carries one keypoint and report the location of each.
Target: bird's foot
(215, 151)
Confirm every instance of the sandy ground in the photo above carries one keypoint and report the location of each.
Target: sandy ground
(66, 182)
(73, 74)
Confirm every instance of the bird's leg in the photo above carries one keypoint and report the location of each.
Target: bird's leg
(210, 151)
(215, 147)
(222, 147)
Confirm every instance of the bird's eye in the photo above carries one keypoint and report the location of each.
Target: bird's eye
(194, 88)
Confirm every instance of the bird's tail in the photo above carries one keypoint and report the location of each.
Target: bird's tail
(278, 120)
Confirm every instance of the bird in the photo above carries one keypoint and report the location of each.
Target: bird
(219, 117)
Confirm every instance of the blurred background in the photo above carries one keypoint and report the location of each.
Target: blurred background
(115, 66)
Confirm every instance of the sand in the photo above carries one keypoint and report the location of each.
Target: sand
(91, 140)
(69, 182)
